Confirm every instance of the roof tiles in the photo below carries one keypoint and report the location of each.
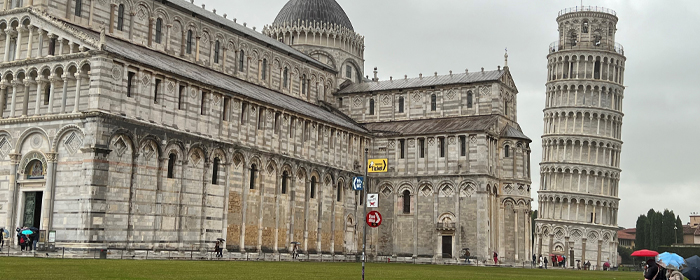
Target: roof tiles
(463, 78)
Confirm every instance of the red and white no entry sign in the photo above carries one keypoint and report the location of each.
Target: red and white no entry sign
(374, 219)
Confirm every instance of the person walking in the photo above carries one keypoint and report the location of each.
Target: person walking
(295, 251)
(546, 260)
(2, 238)
(541, 262)
(495, 258)
(217, 249)
(534, 260)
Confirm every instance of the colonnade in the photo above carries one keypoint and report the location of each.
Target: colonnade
(586, 181)
(586, 67)
(578, 209)
(584, 96)
(584, 151)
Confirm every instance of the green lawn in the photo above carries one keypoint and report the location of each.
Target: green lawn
(36, 268)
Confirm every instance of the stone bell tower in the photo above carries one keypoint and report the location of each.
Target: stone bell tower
(580, 169)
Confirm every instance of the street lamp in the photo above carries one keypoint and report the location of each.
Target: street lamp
(675, 230)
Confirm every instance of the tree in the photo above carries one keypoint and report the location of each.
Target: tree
(668, 222)
(625, 253)
(641, 241)
(655, 226)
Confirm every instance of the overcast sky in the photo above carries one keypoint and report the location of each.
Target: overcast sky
(661, 106)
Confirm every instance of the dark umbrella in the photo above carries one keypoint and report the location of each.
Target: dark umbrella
(220, 239)
(692, 272)
(295, 243)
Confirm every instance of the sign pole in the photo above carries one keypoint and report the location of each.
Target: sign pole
(364, 235)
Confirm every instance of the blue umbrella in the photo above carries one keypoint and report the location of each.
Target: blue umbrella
(692, 272)
(670, 260)
(27, 232)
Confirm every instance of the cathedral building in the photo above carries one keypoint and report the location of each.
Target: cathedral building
(581, 144)
(161, 125)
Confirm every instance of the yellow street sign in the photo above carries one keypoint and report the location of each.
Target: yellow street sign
(377, 165)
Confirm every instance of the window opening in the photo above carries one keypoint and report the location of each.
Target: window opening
(120, 18)
(463, 145)
(241, 61)
(312, 190)
(159, 30)
(215, 172)
(507, 151)
(421, 147)
(78, 7)
(339, 192)
(171, 166)
(180, 97)
(441, 141)
(52, 46)
(253, 172)
(264, 69)
(584, 28)
(261, 118)
(227, 109)
(470, 97)
(402, 148)
(285, 179)
(371, 107)
(406, 202)
(129, 83)
(286, 77)
(47, 94)
(217, 46)
(401, 104)
(433, 102)
(12, 50)
(303, 84)
(203, 105)
(244, 106)
(155, 91)
(348, 71)
(189, 42)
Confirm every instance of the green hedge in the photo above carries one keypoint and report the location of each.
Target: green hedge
(685, 252)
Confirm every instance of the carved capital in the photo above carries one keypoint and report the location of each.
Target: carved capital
(15, 158)
(51, 157)
(97, 150)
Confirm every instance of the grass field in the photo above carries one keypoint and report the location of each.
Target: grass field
(36, 268)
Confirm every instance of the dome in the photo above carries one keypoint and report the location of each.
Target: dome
(325, 11)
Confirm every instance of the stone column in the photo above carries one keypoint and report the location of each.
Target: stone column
(52, 82)
(131, 25)
(64, 93)
(196, 54)
(583, 251)
(14, 192)
(47, 210)
(167, 37)
(8, 38)
(15, 84)
(112, 8)
(515, 224)
(551, 244)
(150, 31)
(600, 251)
(79, 78)
(29, 44)
(539, 244)
(40, 51)
(566, 246)
(39, 86)
(3, 87)
(25, 102)
(18, 50)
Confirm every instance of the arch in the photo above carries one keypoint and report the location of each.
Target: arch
(28, 132)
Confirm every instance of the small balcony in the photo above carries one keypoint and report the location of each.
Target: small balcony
(595, 46)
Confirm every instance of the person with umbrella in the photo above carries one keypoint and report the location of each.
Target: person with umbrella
(2, 238)
(692, 269)
(295, 250)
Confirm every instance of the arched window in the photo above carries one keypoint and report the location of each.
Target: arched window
(286, 77)
(215, 172)
(217, 47)
(505, 106)
(264, 69)
(120, 18)
(285, 180)
(507, 151)
(78, 7)
(253, 172)
(470, 99)
(241, 60)
(433, 102)
(348, 71)
(339, 194)
(171, 166)
(406, 202)
(584, 27)
(159, 30)
(312, 190)
(47, 94)
(303, 84)
(371, 107)
(188, 49)
(401, 104)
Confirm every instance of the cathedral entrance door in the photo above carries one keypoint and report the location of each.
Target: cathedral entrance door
(447, 246)
(32, 209)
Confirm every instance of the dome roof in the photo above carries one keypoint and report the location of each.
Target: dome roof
(325, 11)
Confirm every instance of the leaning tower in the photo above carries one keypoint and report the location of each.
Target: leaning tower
(581, 144)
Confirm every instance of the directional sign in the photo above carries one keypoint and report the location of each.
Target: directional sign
(374, 219)
(358, 183)
(377, 165)
(373, 200)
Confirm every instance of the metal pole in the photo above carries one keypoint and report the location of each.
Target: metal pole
(364, 204)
